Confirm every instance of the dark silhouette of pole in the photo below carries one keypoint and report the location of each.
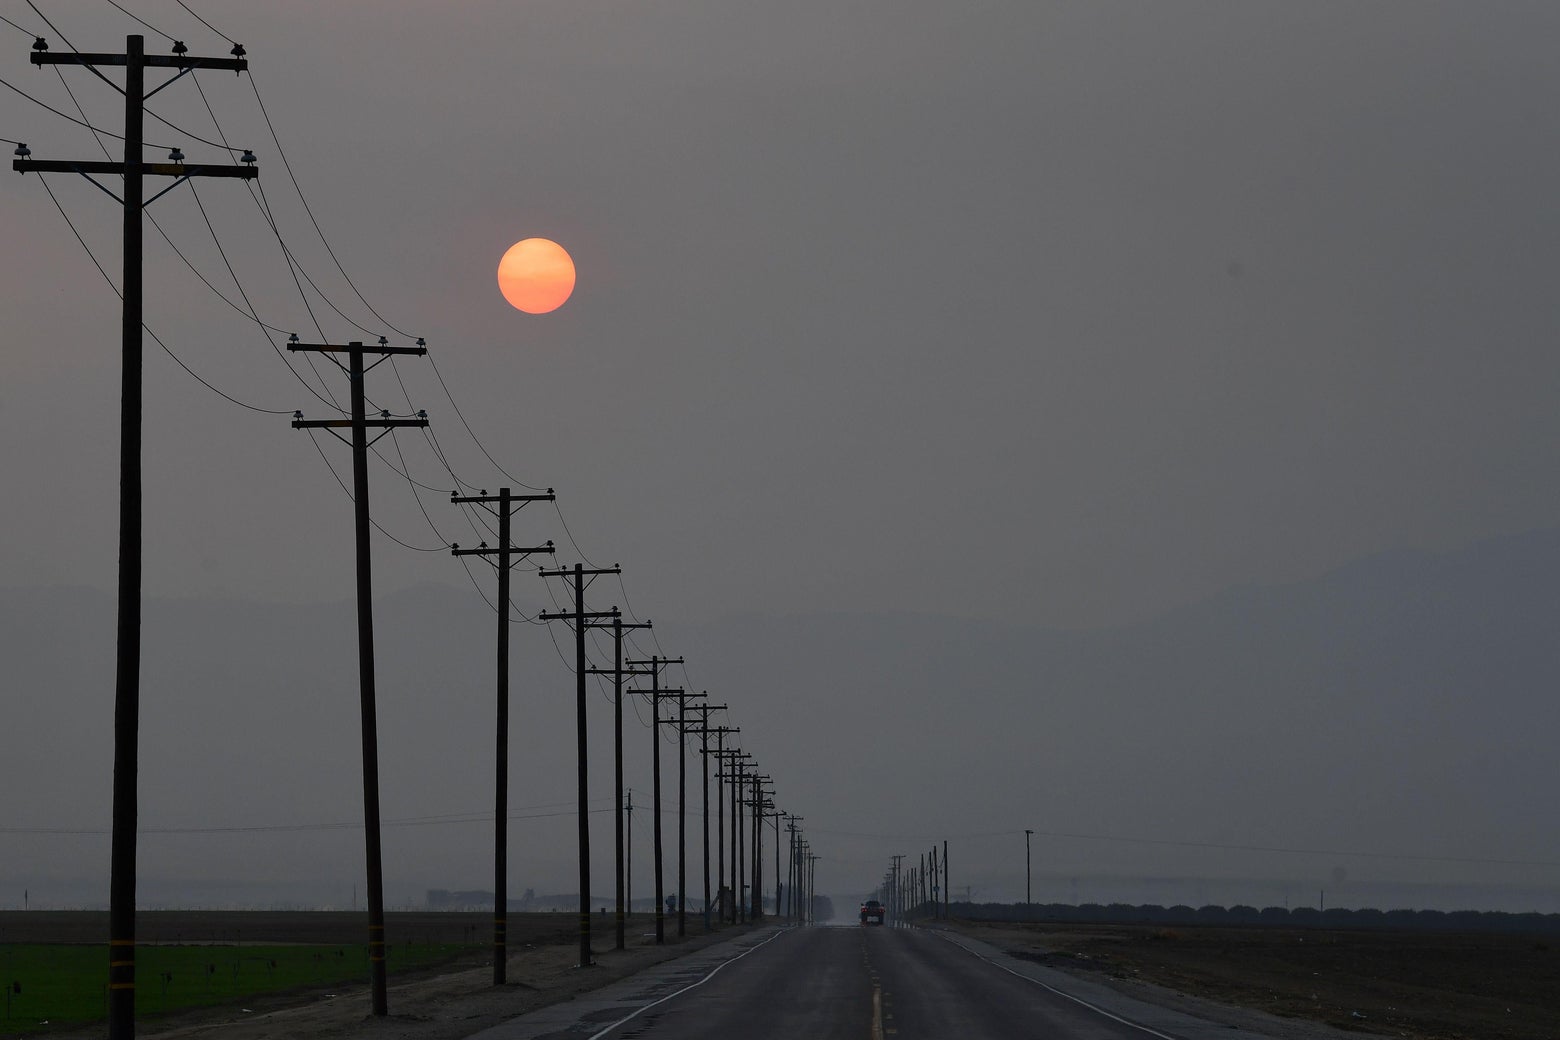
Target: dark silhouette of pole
(720, 813)
(737, 796)
(683, 696)
(704, 732)
(618, 673)
(655, 735)
(506, 502)
(757, 848)
(1028, 892)
(738, 887)
(579, 616)
(620, 912)
(656, 663)
(779, 885)
(127, 677)
(896, 904)
(359, 424)
(732, 772)
(947, 884)
(127, 668)
(793, 903)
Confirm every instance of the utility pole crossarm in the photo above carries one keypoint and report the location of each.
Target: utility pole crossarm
(336, 348)
(456, 550)
(344, 424)
(460, 499)
(156, 61)
(570, 615)
(161, 169)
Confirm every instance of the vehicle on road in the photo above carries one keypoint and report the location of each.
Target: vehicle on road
(873, 912)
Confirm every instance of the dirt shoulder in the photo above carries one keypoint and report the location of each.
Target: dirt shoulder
(1419, 986)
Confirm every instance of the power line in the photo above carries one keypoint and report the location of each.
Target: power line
(142, 21)
(52, 27)
(147, 329)
(18, 28)
(462, 416)
(70, 118)
(207, 24)
(282, 153)
(347, 491)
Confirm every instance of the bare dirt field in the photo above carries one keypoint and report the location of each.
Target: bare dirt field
(1420, 986)
(443, 1003)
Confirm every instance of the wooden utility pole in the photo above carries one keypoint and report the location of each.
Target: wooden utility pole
(508, 504)
(776, 814)
(1029, 896)
(947, 886)
(359, 424)
(683, 696)
(720, 812)
(579, 616)
(791, 821)
(731, 771)
(704, 732)
(656, 663)
(932, 897)
(739, 763)
(896, 904)
(127, 671)
(757, 849)
(618, 673)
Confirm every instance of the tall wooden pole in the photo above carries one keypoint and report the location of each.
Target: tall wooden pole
(584, 813)
(617, 749)
(655, 812)
(504, 554)
(366, 691)
(127, 679)
(501, 755)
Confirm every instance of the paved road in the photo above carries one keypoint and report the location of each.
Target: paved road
(857, 983)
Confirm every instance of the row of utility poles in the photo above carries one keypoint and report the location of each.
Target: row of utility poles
(911, 890)
(750, 792)
(922, 890)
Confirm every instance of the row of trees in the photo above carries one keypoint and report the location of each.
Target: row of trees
(1243, 916)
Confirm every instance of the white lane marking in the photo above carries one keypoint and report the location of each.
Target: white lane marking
(692, 985)
(1066, 996)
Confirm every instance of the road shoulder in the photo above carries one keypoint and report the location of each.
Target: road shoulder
(1143, 1003)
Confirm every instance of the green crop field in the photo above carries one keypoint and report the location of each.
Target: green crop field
(50, 985)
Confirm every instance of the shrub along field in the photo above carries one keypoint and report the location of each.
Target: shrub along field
(54, 965)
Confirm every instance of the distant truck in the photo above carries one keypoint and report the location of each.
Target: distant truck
(872, 912)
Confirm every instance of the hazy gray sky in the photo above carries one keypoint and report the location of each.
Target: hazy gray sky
(1053, 314)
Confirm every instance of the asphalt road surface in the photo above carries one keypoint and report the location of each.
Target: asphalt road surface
(860, 983)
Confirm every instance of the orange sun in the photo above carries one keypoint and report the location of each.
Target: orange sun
(536, 275)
